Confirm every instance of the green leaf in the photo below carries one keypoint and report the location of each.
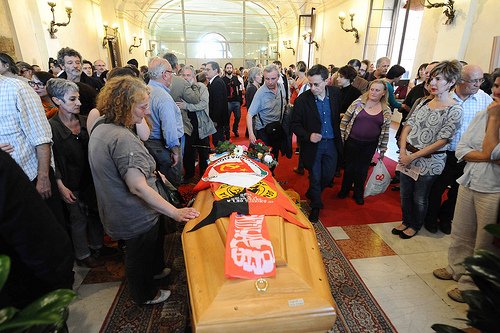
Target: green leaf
(53, 301)
(7, 313)
(4, 269)
(441, 328)
(493, 229)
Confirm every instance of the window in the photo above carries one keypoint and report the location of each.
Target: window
(213, 46)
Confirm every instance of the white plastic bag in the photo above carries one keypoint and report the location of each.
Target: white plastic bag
(379, 180)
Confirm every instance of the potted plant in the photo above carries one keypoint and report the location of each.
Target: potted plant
(49, 310)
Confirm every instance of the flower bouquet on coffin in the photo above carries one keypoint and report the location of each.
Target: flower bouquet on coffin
(262, 153)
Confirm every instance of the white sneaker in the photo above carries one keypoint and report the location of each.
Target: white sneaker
(163, 274)
(164, 295)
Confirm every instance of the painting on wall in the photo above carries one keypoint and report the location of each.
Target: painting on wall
(7, 46)
(114, 53)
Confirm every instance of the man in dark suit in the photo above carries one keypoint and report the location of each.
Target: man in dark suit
(217, 103)
(283, 80)
(316, 122)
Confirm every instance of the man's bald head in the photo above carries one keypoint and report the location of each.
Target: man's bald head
(470, 81)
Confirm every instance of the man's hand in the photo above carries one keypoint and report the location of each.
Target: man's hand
(315, 137)
(7, 148)
(43, 186)
(252, 137)
(174, 154)
(381, 155)
(181, 105)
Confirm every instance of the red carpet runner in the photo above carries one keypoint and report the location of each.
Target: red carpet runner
(337, 212)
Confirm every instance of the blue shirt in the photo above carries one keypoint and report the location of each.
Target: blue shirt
(164, 121)
(325, 114)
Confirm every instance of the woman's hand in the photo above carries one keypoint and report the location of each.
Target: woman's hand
(66, 193)
(185, 214)
(405, 159)
(494, 109)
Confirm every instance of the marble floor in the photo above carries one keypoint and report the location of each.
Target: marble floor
(397, 272)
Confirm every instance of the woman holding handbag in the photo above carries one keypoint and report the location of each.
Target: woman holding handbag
(364, 128)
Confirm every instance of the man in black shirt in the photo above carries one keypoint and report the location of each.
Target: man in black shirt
(234, 99)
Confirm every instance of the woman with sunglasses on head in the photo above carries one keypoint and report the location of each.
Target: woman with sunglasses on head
(38, 83)
(424, 139)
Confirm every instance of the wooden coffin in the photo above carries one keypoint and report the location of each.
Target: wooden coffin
(298, 298)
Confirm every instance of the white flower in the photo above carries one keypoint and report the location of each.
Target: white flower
(268, 158)
(238, 151)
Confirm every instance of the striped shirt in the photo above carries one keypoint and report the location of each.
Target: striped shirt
(23, 123)
(472, 106)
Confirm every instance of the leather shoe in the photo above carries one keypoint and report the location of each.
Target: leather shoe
(395, 231)
(236, 134)
(445, 227)
(314, 216)
(105, 251)
(89, 262)
(299, 171)
(442, 274)
(456, 295)
(395, 180)
(402, 235)
(359, 201)
(342, 194)
(166, 271)
(431, 227)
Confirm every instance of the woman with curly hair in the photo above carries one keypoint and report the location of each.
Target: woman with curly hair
(125, 181)
(423, 143)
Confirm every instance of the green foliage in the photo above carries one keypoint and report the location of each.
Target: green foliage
(48, 309)
(484, 304)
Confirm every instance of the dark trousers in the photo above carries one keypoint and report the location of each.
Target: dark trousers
(55, 202)
(322, 171)
(357, 157)
(218, 136)
(143, 259)
(163, 160)
(195, 145)
(451, 172)
(235, 107)
(274, 144)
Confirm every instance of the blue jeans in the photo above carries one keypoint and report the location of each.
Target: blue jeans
(415, 199)
(322, 171)
(235, 107)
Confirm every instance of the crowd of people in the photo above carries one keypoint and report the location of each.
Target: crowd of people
(99, 145)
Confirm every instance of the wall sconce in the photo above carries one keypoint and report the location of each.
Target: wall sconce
(109, 37)
(52, 30)
(309, 35)
(133, 45)
(353, 29)
(288, 45)
(153, 46)
(449, 11)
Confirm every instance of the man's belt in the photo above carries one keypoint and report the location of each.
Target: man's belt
(414, 149)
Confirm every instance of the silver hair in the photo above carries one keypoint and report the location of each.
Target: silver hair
(156, 67)
(252, 73)
(271, 68)
(59, 87)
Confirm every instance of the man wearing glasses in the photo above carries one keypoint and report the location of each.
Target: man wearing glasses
(473, 100)
(316, 122)
(165, 119)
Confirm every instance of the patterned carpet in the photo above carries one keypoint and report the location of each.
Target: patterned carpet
(357, 309)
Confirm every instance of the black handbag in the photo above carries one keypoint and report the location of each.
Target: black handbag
(169, 193)
(274, 130)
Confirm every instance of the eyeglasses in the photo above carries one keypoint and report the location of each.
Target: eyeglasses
(476, 81)
(36, 84)
(166, 70)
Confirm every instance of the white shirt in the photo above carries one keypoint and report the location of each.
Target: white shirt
(23, 123)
